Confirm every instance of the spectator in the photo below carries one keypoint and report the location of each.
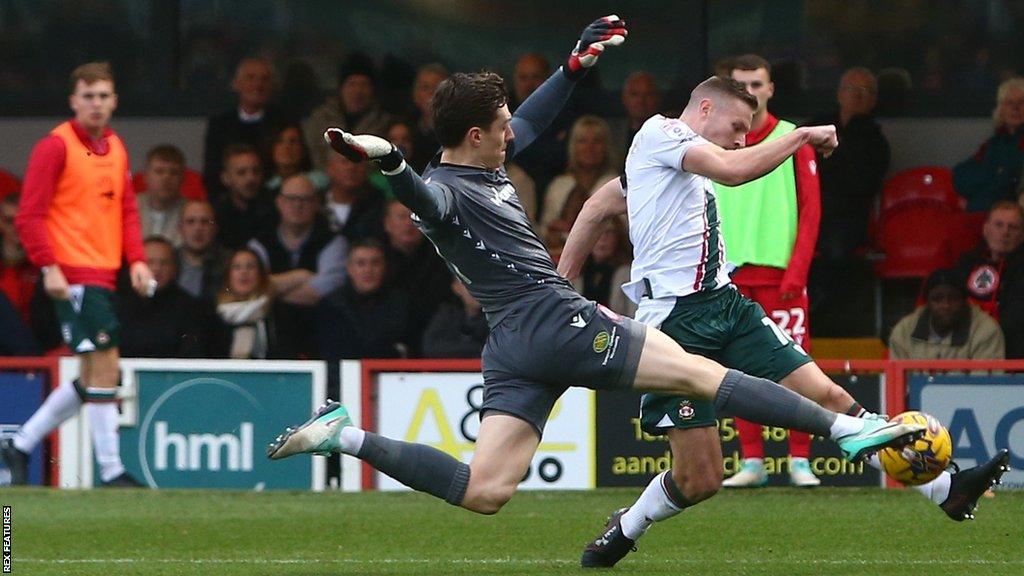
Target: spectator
(531, 70)
(244, 305)
(641, 99)
(993, 173)
(201, 259)
(851, 177)
(413, 266)
(354, 108)
(245, 209)
(592, 162)
(306, 261)
(288, 154)
(994, 272)
(425, 144)
(400, 134)
(947, 326)
(355, 209)
(458, 328)
(364, 318)
(160, 207)
(16, 338)
(170, 323)
(607, 269)
(546, 156)
(18, 277)
(250, 122)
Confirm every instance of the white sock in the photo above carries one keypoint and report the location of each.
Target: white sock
(105, 438)
(937, 490)
(844, 426)
(60, 405)
(351, 440)
(653, 505)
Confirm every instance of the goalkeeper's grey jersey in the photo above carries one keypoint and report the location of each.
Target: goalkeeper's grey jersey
(481, 230)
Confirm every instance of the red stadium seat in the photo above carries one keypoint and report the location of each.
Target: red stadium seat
(916, 238)
(932, 183)
(8, 183)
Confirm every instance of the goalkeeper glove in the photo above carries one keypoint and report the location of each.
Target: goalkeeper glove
(603, 32)
(358, 148)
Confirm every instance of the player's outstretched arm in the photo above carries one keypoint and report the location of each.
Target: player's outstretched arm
(538, 111)
(734, 167)
(430, 203)
(607, 202)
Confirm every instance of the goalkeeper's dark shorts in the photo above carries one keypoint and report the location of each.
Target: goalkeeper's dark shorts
(537, 351)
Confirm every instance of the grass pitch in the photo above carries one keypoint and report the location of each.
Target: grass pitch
(777, 531)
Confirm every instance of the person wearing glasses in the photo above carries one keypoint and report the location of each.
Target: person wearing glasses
(305, 259)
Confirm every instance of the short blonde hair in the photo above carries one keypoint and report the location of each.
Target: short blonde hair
(600, 126)
(1013, 84)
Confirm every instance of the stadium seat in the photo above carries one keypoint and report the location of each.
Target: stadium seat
(934, 183)
(915, 238)
(8, 183)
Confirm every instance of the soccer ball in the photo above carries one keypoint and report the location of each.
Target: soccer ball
(922, 461)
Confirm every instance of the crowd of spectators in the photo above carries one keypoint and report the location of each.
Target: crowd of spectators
(280, 248)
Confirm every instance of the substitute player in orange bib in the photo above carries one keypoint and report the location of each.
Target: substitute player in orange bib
(78, 221)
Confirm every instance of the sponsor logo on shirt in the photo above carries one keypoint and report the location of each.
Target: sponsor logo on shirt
(502, 195)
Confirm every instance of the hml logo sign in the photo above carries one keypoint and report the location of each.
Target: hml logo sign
(188, 450)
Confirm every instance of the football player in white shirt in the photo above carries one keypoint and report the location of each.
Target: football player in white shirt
(680, 281)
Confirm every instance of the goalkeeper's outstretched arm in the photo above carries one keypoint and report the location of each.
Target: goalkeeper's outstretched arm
(430, 202)
(537, 112)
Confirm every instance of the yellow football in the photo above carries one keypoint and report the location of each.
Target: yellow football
(922, 461)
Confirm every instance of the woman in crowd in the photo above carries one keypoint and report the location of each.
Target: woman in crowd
(993, 173)
(592, 162)
(245, 307)
(286, 154)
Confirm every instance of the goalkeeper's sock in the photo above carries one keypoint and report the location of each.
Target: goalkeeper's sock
(765, 401)
(937, 490)
(417, 466)
(659, 501)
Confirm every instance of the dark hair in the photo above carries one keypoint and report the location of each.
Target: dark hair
(305, 165)
(237, 149)
(262, 287)
(464, 101)
(357, 64)
(749, 62)
(946, 277)
(91, 72)
(719, 86)
(157, 239)
(167, 153)
(367, 242)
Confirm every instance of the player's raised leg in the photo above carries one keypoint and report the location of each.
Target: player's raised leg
(696, 475)
(665, 368)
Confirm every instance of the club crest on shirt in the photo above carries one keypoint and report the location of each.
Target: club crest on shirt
(601, 341)
(983, 281)
(686, 410)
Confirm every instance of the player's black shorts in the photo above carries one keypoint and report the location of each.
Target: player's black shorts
(547, 345)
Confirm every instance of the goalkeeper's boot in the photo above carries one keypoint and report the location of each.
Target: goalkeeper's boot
(877, 434)
(318, 435)
(966, 486)
(610, 547)
(16, 461)
(751, 475)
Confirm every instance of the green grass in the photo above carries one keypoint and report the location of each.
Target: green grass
(778, 532)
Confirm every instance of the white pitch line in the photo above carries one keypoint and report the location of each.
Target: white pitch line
(510, 561)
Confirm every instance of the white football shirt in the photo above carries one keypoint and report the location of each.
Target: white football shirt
(673, 217)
